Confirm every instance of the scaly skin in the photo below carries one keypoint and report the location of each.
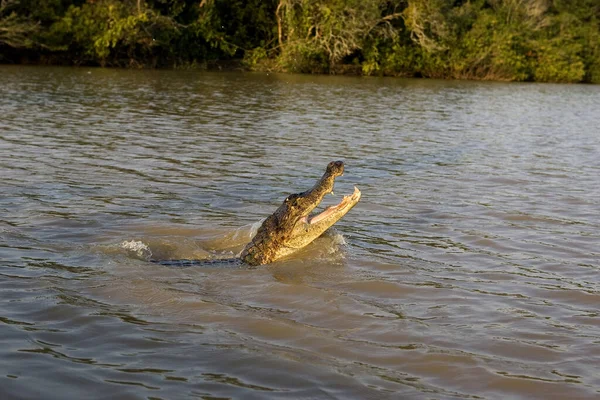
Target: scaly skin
(290, 228)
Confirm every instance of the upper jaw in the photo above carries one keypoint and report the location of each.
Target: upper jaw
(335, 168)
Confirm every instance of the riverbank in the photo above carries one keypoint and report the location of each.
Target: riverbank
(502, 40)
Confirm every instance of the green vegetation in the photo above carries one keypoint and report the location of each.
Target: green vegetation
(512, 40)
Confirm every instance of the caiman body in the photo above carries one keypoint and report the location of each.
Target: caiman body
(292, 226)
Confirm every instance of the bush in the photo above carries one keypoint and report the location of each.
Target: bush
(513, 40)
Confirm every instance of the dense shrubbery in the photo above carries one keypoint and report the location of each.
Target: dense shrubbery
(539, 40)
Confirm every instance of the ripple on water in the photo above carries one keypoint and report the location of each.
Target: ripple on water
(468, 270)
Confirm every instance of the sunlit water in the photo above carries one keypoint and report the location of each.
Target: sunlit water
(469, 269)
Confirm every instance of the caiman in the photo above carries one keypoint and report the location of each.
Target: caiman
(292, 226)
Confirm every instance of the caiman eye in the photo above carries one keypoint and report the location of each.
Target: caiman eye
(291, 199)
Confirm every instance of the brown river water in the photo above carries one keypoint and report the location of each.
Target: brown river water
(470, 269)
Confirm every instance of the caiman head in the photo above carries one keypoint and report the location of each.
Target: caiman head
(291, 226)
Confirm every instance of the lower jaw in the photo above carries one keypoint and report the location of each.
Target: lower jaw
(353, 198)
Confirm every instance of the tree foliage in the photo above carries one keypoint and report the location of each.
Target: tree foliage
(513, 40)
(317, 35)
(16, 30)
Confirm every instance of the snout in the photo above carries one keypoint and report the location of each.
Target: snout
(335, 168)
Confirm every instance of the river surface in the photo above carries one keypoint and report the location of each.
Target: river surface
(470, 269)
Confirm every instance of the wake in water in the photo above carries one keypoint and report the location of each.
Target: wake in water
(138, 249)
(224, 247)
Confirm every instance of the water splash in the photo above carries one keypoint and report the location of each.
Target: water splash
(137, 249)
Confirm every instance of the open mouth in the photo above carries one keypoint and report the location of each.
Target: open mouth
(349, 200)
